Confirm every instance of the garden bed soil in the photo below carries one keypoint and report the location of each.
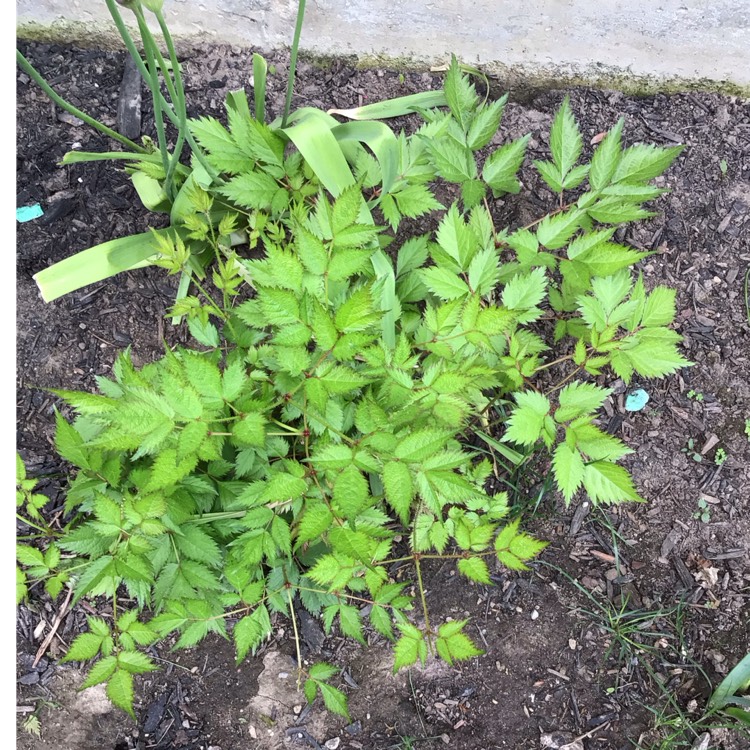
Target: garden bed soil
(552, 674)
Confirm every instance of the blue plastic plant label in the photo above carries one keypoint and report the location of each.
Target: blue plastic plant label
(28, 213)
(636, 400)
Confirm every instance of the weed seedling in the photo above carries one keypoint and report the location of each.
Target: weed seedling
(720, 457)
(747, 428)
(695, 395)
(704, 511)
(691, 451)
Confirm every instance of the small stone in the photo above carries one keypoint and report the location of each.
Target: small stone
(572, 643)
(333, 743)
(297, 709)
(283, 675)
(534, 615)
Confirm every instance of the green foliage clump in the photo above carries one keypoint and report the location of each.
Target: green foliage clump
(319, 437)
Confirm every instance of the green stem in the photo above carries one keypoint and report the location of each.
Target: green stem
(154, 85)
(48, 532)
(219, 515)
(423, 597)
(168, 110)
(216, 309)
(180, 94)
(293, 60)
(57, 99)
(296, 637)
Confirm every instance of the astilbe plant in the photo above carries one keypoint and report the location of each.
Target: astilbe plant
(325, 421)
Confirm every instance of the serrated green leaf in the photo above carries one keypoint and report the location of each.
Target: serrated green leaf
(350, 492)
(527, 420)
(475, 569)
(357, 313)
(569, 469)
(354, 544)
(443, 283)
(484, 272)
(454, 645)
(195, 544)
(606, 482)
(399, 489)
(485, 123)
(643, 162)
(315, 521)
(408, 649)
(250, 631)
(578, 398)
(30, 556)
(100, 672)
(135, 662)
(550, 173)
(614, 210)
(606, 157)
(565, 139)
(22, 590)
(453, 161)
(351, 622)
(660, 308)
(416, 200)
(456, 239)
(525, 291)
(85, 646)
(334, 700)
(554, 231)
(421, 444)
(472, 193)
(251, 190)
(226, 155)
(460, 94)
(120, 690)
(653, 356)
(525, 547)
(500, 169)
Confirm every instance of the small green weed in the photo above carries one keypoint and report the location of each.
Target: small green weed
(695, 395)
(720, 457)
(747, 428)
(704, 511)
(691, 450)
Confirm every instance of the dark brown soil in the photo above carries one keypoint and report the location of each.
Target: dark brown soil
(550, 664)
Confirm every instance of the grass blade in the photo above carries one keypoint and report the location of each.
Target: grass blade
(96, 264)
(513, 456)
(151, 192)
(379, 138)
(182, 291)
(80, 157)
(312, 136)
(736, 682)
(389, 303)
(260, 73)
(401, 105)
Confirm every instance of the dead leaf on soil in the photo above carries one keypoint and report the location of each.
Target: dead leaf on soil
(707, 577)
(560, 741)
